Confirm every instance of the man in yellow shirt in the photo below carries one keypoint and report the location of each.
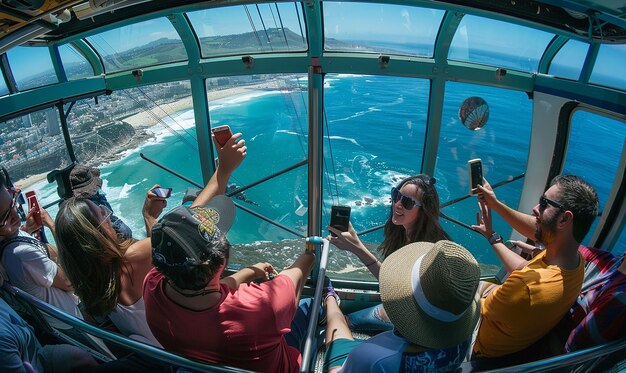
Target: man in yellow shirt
(538, 293)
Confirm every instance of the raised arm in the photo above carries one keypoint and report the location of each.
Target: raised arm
(230, 156)
(153, 206)
(509, 259)
(349, 241)
(300, 270)
(521, 222)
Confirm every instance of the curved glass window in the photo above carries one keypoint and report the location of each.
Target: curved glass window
(157, 121)
(497, 43)
(620, 247)
(587, 131)
(141, 44)
(374, 138)
(4, 90)
(569, 61)
(271, 113)
(75, 64)
(31, 146)
(255, 28)
(502, 145)
(380, 28)
(610, 61)
(32, 67)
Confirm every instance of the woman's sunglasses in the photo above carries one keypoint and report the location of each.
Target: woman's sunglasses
(406, 201)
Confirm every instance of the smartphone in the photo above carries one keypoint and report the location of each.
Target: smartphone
(222, 134)
(475, 168)
(162, 192)
(340, 218)
(33, 205)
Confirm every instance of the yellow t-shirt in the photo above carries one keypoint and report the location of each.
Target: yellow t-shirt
(526, 306)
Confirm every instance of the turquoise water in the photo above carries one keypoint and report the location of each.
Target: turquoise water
(375, 131)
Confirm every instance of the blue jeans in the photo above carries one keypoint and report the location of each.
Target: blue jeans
(369, 320)
(296, 338)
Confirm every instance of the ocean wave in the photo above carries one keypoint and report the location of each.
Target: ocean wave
(343, 138)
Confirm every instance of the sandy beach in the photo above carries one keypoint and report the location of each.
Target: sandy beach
(150, 117)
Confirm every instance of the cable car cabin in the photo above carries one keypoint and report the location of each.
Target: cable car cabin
(338, 102)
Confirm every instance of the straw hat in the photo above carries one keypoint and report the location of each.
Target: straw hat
(429, 293)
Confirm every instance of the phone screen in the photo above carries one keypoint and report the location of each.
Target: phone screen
(162, 192)
(222, 134)
(33, 205)
(340, 218)
(476, 173)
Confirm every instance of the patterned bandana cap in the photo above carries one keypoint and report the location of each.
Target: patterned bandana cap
(184, 235)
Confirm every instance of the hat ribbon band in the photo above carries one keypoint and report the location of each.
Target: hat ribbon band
(423, 302)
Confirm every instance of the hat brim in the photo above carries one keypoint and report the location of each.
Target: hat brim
(405, 314)
(226, 208)
(89, 189)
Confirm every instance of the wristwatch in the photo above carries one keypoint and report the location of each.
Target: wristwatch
(495, 238)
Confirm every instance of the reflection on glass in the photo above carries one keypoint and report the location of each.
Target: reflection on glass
(375, 138)
(620, 246)
(587, 131)
(395, 29)
(74, 63)
(569, 61)
(271, 113)
(31, 146)
(503, 147)
(474, 113)
(497, 43)
(141, 44)
(608, 66)
(4, 90)
(270, 27)
(32, 67)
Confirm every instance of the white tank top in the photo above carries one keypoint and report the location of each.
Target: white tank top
(131, 321)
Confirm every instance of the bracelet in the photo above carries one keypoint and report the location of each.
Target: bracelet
(374, 262)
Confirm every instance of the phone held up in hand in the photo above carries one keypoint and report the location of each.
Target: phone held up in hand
(475, 168)
(162, 192)
(340, 218)
(222, 134)
(33, 205)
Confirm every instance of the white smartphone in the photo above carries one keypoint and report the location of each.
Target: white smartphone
(222, 134)
(475, 169)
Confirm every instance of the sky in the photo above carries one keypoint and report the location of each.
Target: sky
(344, 21)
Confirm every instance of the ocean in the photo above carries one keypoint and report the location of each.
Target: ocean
(374, 135)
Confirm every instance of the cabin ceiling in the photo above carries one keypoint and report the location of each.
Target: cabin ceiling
(44, 21)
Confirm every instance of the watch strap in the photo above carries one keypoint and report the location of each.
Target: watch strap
(495, 238)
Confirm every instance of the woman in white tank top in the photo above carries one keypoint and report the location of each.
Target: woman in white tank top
(107, 272)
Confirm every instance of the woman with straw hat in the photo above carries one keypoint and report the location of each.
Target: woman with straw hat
(413, 217)
(429, 292)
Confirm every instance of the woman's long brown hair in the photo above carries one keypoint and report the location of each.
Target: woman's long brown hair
(426, 227)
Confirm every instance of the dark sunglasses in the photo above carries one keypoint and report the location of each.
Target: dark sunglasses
(16, 194)
(406, 201)
(544, 202)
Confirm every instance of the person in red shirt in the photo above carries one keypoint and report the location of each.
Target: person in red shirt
(230, 321)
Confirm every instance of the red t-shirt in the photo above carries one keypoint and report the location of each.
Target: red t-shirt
(245, 329)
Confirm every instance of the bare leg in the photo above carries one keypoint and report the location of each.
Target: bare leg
(336, 325)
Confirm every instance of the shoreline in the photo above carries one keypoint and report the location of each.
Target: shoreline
(148, 118)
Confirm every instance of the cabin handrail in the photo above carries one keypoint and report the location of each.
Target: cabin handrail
(565, 360)
(139, 347)
(238, 190)
(309, 344)
(451, 202)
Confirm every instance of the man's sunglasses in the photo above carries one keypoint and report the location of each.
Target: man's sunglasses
(16, 195)
(544, 202)
(406, 201)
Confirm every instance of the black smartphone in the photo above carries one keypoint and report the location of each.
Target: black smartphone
(340, 218)
(222, 134)
(162, 192)
(475, 169)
